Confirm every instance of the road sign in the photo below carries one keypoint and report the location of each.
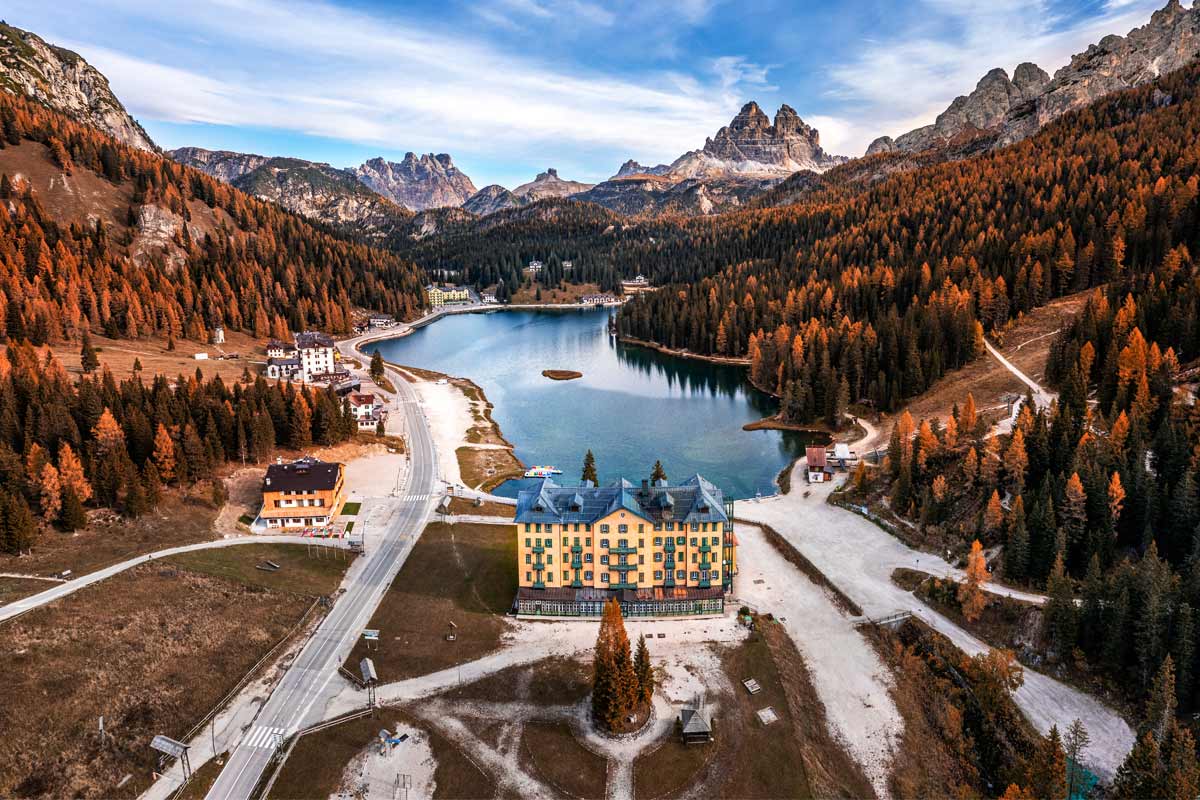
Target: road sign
(372, 635)
(367, 666)
(169, 746)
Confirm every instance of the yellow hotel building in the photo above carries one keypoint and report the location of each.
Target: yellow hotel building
(441, 295)
(659, 549)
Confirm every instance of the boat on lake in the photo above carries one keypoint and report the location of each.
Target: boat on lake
(542, 472)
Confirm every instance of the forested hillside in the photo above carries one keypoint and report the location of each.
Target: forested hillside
(874, 294)
(96, 234)
(64, 444)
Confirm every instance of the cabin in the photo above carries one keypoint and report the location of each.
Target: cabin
(694, 726)
(367, 410)
(818, 470)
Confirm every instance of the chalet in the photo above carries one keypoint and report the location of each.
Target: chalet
(535, 266)
(637, 285)
(307, 493)
(277, 349)
(367, 410)
(282, 368)
(660, 550)
(381, 320)
(218, 335)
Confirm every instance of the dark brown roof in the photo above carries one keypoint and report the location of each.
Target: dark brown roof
(306, 474)
(815, 457)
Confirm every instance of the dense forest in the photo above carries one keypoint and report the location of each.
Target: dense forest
(873, 294)
(65, 444)
(257, 268)
(1094, 499)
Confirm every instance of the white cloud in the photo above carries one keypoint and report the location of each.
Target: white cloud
(322, 70)
(895, 83)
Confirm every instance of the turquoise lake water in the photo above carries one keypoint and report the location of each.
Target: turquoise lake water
(631, 406)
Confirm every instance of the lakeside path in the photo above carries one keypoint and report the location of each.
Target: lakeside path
(859, 557)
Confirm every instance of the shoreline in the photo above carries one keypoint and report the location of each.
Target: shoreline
(726, 360)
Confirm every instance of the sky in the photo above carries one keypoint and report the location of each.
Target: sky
(511, 87)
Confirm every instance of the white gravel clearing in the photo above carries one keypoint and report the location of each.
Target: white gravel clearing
(853, 683)
(380, 774)
(859, 557)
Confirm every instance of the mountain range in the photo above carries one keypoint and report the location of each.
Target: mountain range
(1010, 110)
(753, 159)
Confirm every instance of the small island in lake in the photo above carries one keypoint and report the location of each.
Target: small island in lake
(561, 374)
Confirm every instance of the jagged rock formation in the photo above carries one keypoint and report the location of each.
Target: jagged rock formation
(753, 145)
(224, 165)
(63, 81)
(1013, 110)
(548, 184)
(430, 181)
(491, 199)
(745, 158)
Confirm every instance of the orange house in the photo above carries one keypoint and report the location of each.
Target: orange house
(307, 493)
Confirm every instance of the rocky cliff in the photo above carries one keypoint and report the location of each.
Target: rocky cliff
(323, 193)
(1011, 110)
(417, 183)
(63, 81)
(224, 165)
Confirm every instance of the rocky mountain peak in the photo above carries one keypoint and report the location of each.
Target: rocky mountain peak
(65, 82)
(758, 145)
(1015, 109)
(417, 182)
(548, 184)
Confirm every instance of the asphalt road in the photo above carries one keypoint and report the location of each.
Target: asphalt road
(298, 697)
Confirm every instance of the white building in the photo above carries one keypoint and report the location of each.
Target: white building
(315, 351)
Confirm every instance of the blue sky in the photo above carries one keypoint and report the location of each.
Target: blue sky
(510, 87)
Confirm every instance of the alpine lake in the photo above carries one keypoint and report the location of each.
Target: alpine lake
(632, 405)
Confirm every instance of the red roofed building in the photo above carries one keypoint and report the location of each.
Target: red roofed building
(815, 458)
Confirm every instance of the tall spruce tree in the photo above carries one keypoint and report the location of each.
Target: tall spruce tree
(589, 469)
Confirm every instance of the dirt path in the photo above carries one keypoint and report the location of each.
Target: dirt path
(859, 558)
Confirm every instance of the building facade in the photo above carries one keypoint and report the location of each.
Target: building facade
(307, 493)
(660, 549)
(315, 351)
(441, 295)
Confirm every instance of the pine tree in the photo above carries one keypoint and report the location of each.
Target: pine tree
(1016, 552)
(377, 367)
(1058, 615)
(164, 453)
(1074, 743)
(88, 359)
(72, 517)
(644, 670)
(658, 474)
(615, 684)
(1180, 776)
(20, 527)
(1016, 461)
(1048, 769)
(589, 469)
(1183, 651)
(1160, 703)
(970, 591)
(1137, 777)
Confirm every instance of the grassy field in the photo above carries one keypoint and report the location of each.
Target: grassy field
(300, 572)
(464, 505)
(12, 589)
(486, 469)
(119, 354)
(460, 573)
(109, 539)
(152, 650)
(551, 753)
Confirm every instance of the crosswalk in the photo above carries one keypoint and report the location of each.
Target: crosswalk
(413, 498)
(264, 736)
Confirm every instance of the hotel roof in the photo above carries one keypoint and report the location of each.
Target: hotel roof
(694, 500)
(305, 474)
